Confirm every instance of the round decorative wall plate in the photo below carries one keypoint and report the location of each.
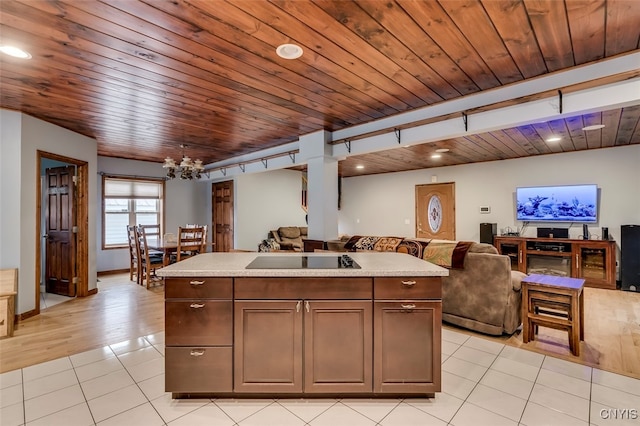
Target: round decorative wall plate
(435, 213)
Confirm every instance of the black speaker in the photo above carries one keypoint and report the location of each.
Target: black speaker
(605, 233)
(553, 232)
(487, 232)
(630, 257)
(585, 232)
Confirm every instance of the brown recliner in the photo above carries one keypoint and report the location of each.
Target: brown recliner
(290, 237)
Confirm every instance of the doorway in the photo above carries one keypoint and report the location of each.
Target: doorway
(435, 211)
(62, 238)
(222, 220)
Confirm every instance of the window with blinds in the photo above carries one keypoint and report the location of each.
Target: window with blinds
(129, 201)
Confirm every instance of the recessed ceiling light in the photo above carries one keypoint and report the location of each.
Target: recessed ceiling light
(289, 51)
(436, 156)
(593, 127)
(15, 52)
(359, 167)
(442, 150)
(554, 139)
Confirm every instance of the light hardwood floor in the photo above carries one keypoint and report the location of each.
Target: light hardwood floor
(123, 311)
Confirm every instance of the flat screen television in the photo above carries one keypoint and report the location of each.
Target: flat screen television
(564, 203)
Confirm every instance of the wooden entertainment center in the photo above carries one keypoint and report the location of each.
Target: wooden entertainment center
(593, 260)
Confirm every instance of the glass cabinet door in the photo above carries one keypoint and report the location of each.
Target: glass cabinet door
(592, 263)
(513, 251)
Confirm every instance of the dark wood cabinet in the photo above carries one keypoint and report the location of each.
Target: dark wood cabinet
(593, 260)
(198, 335)
(303, 336)
(323, 332)
(338, 346)
(268, 346)
(407, 335)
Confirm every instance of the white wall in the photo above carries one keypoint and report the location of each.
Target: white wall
(380, 204)
(185, 202)
(266, 201)
(22, 137)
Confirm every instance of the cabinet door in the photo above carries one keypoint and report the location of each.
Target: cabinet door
(407, 347)
(595, 263)
(268, 346)
(338, 346)
(514, 248)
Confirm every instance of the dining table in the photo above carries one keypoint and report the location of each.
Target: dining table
(165, 245)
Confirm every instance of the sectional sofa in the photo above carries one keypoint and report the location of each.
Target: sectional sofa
(481, 292)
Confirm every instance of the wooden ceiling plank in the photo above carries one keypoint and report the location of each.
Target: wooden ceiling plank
(460, 61)
(115, 66)
(594, 139)
(332, 54)
(352, 29)
(559, 127)
(315, 67)
(549, 22)
(521, 140)
(246, 85)
(622, 26)
(609, 133)
(512, 145)
(475, 24)
(512, 23)
(587, 26)
(226, 56)
(628, 126)
(534, 139)
(575, 125)
(399, 38)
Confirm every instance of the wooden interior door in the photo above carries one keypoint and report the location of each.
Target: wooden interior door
(60, 242)
(435, 211)
(222, 202)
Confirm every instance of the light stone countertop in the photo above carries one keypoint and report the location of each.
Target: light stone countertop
(373, 264)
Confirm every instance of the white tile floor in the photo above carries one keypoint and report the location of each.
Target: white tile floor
(484, 383)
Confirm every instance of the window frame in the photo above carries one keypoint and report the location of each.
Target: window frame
(131, 205)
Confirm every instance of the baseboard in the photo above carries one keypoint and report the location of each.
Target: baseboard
(113, 272)
(25, 315)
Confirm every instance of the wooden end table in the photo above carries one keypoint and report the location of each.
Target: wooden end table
(555, 302)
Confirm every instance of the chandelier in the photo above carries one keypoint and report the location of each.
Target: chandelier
(187, 168)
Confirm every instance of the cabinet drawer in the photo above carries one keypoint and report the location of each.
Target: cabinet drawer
(198, 322)
(303, 288)
(407, 288)
(198, 288)
(198, 369)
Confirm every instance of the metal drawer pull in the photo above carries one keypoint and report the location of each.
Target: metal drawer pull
(411, 306)
(197, 352)
(194, 282)
(408, 283)
(197, 305)
(298, 306)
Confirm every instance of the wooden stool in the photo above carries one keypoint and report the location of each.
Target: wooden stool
(555, 302)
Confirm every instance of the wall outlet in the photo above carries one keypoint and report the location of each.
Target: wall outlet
(407, 222)
(485, 209)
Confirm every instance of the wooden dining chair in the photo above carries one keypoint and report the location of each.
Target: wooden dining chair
(149, 261)
(190, 241)
(134, 264)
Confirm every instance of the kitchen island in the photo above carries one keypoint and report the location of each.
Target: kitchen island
(303, 325)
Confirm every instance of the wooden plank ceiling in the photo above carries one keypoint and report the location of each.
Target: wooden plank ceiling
(143, 77)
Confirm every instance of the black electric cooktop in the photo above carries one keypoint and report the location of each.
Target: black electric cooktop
(303, 262)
